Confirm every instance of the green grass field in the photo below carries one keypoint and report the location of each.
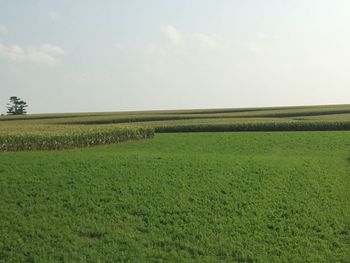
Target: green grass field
(246, 197)
(179, 197)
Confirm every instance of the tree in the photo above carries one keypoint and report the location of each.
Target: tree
(16, 106)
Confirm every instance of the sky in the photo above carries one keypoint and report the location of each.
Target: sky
(89, 56)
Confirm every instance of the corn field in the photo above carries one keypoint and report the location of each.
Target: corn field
(30, 141)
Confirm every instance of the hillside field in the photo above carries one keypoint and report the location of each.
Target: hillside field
(255, 196)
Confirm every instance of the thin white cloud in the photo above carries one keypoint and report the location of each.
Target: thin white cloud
(78, 77)
(3, 29)
(172, 34)
(254, 47)
(55, 16)
(210, 41)
(119, 46)
(262, 35)
(45, 54)
(199, 39)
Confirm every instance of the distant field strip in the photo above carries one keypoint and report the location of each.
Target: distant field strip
(264, 126)
(60, 131)
(128, 118)
(298, 114)
(29, 118)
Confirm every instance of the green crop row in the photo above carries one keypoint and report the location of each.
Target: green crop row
(71, 139)
(189, 115)
(258, 126)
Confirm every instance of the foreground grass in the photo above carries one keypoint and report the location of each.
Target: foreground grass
(246, 197)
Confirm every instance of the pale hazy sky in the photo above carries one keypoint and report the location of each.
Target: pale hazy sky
(72, 56)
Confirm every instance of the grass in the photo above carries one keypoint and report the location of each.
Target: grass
(204, 197)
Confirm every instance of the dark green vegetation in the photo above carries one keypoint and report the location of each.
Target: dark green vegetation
(205, 197)
(16, 106)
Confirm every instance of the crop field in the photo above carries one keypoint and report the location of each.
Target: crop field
(74, 130)
(332, 117)
(277, 191)
(246, 197)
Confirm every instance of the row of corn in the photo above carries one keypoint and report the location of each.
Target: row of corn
(30, 141)
(258, 126)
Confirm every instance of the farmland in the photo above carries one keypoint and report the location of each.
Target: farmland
(311, 118)
(265, 196)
